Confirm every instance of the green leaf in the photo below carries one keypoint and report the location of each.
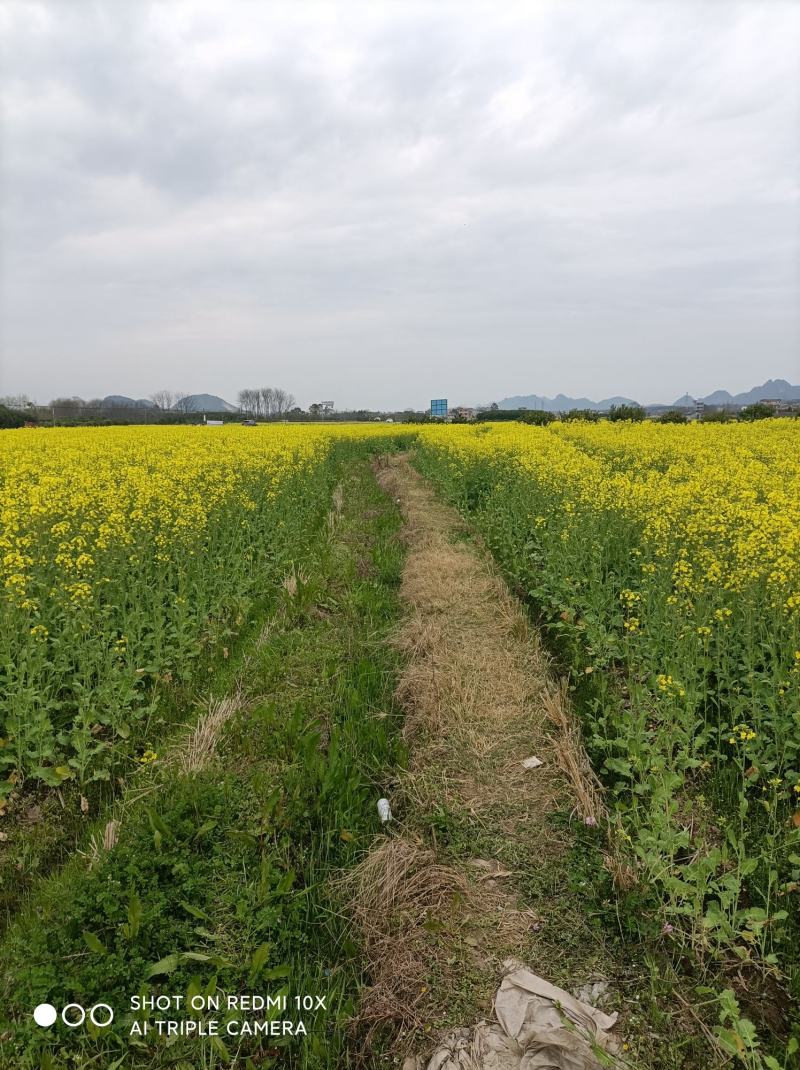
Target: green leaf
(94, 943)
(164, 966)
(157, 824)
(728, 1039)
(53, 777)
(216, 1043)
(260, 956)
(205, 933)
(619, 765)
(134, 917)
(196, 912)
(285, 883)
(221, 963)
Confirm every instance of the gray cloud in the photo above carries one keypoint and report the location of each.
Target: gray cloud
(381, 204)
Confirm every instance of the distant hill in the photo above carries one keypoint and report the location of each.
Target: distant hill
(120, 401)
(773, 388)
(561, 403)
(204, 403)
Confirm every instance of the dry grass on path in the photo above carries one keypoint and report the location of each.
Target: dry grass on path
(478, 689)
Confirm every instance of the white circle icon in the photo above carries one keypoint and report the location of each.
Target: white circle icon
(44, 1015)
(66, 1020)
(93, 1019)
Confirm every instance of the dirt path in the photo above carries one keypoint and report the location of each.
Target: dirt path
(478, 682)
(475, 870)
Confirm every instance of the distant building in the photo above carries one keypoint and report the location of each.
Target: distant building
(461, 412)
(782, 406)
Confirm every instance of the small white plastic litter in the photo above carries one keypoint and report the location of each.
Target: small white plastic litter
(532, 763)
(384, 811)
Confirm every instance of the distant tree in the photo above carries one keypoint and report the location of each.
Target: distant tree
(250, 402)
(503, 414)
(165, 399)
(68, 405)
(758, 411)
(672, 416)
(283, 401)
(266, 401)
(589, 415)
(627, 412)
(315, 409)
(717, 416)
(17, 401)
(69, 410)
(11, 417)
(183, 404)
(494, 407)
(540, 417)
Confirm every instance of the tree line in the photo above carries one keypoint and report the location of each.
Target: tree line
(265, 401)
(162, 406)
(635, 413)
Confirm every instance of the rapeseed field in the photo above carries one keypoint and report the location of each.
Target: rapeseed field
(664, 561)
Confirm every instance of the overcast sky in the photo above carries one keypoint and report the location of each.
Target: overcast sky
(383, 204)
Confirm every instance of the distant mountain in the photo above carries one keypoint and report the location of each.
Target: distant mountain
(773, 388)
(561, 403)
(120, 401)
(204, 403)
(719, 397)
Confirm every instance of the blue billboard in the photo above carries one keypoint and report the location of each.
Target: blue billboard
(439, 407)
